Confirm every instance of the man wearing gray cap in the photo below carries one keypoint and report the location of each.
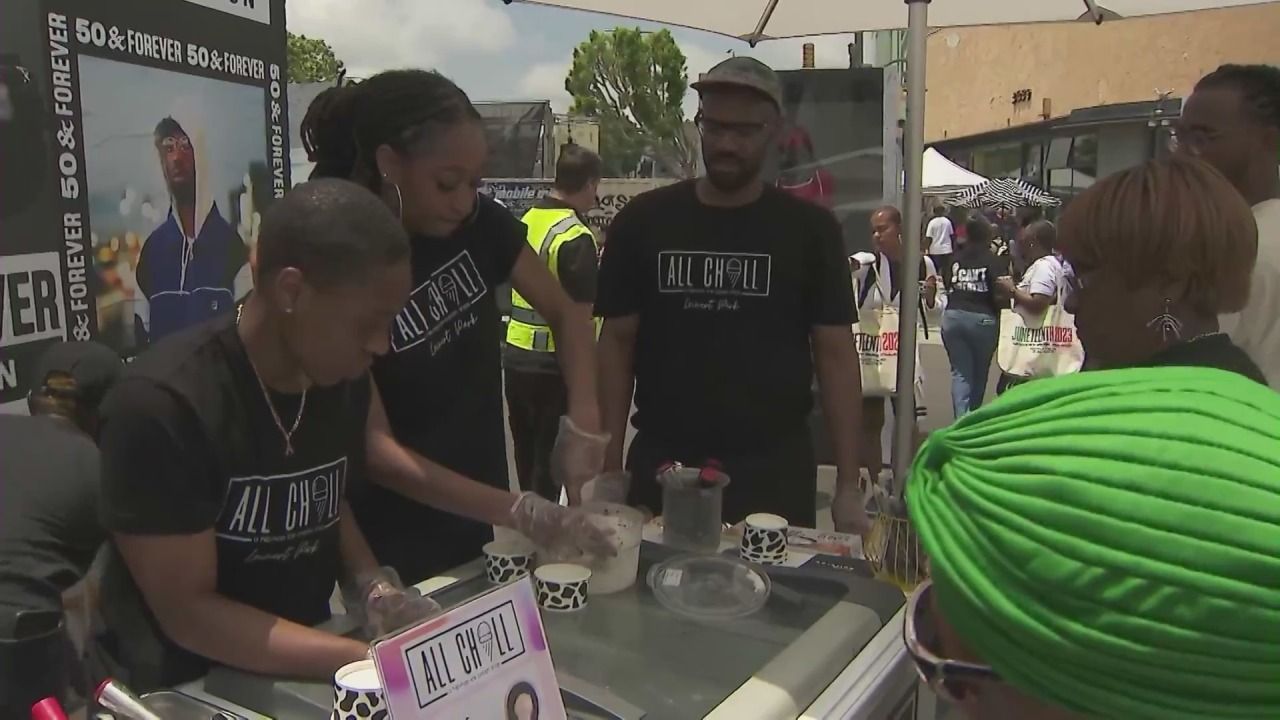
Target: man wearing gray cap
(49, 528)
(720, 297)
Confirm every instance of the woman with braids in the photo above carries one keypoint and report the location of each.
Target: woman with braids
(438, 452)
(1232, 120)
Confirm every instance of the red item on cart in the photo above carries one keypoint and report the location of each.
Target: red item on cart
(48, 709)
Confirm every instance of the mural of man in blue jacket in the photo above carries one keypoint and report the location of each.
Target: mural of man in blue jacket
(187, 268)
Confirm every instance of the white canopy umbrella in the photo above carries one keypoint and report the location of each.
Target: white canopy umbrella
(757, 20)
(941, 176)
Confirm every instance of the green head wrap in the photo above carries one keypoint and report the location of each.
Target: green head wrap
(1109, 542)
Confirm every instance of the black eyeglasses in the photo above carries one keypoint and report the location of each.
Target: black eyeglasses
(942, 675)
(743, 131)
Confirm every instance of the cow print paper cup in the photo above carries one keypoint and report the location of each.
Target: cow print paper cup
(357, 693)
(506, 560)
(562, 586)
(764, 539)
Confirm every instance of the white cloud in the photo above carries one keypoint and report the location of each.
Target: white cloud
(545, 81)
(387, 34)
(698, 59)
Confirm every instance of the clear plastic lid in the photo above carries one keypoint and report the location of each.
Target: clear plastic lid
(709, 587)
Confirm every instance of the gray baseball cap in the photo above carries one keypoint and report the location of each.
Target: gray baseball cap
(742, 72)
(93, 366)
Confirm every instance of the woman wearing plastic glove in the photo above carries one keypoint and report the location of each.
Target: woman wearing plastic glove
(437, 442)
(230, 452)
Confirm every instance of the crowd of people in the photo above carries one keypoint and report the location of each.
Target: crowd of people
(1100, 543)
(1229, 122)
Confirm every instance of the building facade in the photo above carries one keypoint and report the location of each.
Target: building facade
(1062, 104)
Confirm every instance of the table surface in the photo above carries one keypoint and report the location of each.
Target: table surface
(626, 646)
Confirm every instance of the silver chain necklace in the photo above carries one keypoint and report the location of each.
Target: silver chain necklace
(302, 406)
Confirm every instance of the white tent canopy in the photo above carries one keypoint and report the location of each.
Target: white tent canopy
(942, 177)
(755, 20)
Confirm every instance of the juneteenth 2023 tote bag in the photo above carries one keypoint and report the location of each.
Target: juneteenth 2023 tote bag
(876, 334)
(1042, 347)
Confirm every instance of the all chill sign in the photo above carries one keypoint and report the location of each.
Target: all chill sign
(473, 661)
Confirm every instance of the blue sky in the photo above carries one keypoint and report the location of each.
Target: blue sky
(505, 52)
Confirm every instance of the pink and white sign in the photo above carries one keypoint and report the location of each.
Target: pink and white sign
(485, 660)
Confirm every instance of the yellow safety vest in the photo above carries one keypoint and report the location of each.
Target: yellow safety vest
(549, 230)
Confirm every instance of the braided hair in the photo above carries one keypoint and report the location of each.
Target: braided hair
(1259, 86)
(404, 109)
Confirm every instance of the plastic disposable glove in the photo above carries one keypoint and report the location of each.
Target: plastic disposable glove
(390, 609)
(610, 487)
(576, 457)
(560, 530)
(848, 509)
(381, 603)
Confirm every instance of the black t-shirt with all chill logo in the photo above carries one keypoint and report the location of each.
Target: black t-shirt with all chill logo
(727, 299)
(441, 384)
(971, 285)
(189, 445)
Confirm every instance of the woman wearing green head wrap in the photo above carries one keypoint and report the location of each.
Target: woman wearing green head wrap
(1104, 545)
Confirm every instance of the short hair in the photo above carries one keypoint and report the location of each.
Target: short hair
(939, 210)
(168, 127)
(1259, 86)
(334, 231)
(513, 696)
(895, 215)
(977, 229)
(1044, 233)
(1171, 220)
(576, 167)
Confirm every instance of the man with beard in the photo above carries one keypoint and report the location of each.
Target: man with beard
(188, 265)
(1232, 120)
(720, 297)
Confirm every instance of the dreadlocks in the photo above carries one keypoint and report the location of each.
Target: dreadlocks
(344, 126)
(1259, 86)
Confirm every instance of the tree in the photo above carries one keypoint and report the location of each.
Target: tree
(635, 82)
(312, 60)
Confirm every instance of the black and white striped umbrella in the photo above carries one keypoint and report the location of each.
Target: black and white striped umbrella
(1005, 193)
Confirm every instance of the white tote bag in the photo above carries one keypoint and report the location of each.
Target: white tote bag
(876, 336)
(1042, 347)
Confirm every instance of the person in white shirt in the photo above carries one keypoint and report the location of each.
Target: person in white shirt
(1232, 120)
(877, 284)
(941, 234)
(1042, 280)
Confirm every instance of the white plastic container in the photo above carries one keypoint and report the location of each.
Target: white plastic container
(615, 574)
